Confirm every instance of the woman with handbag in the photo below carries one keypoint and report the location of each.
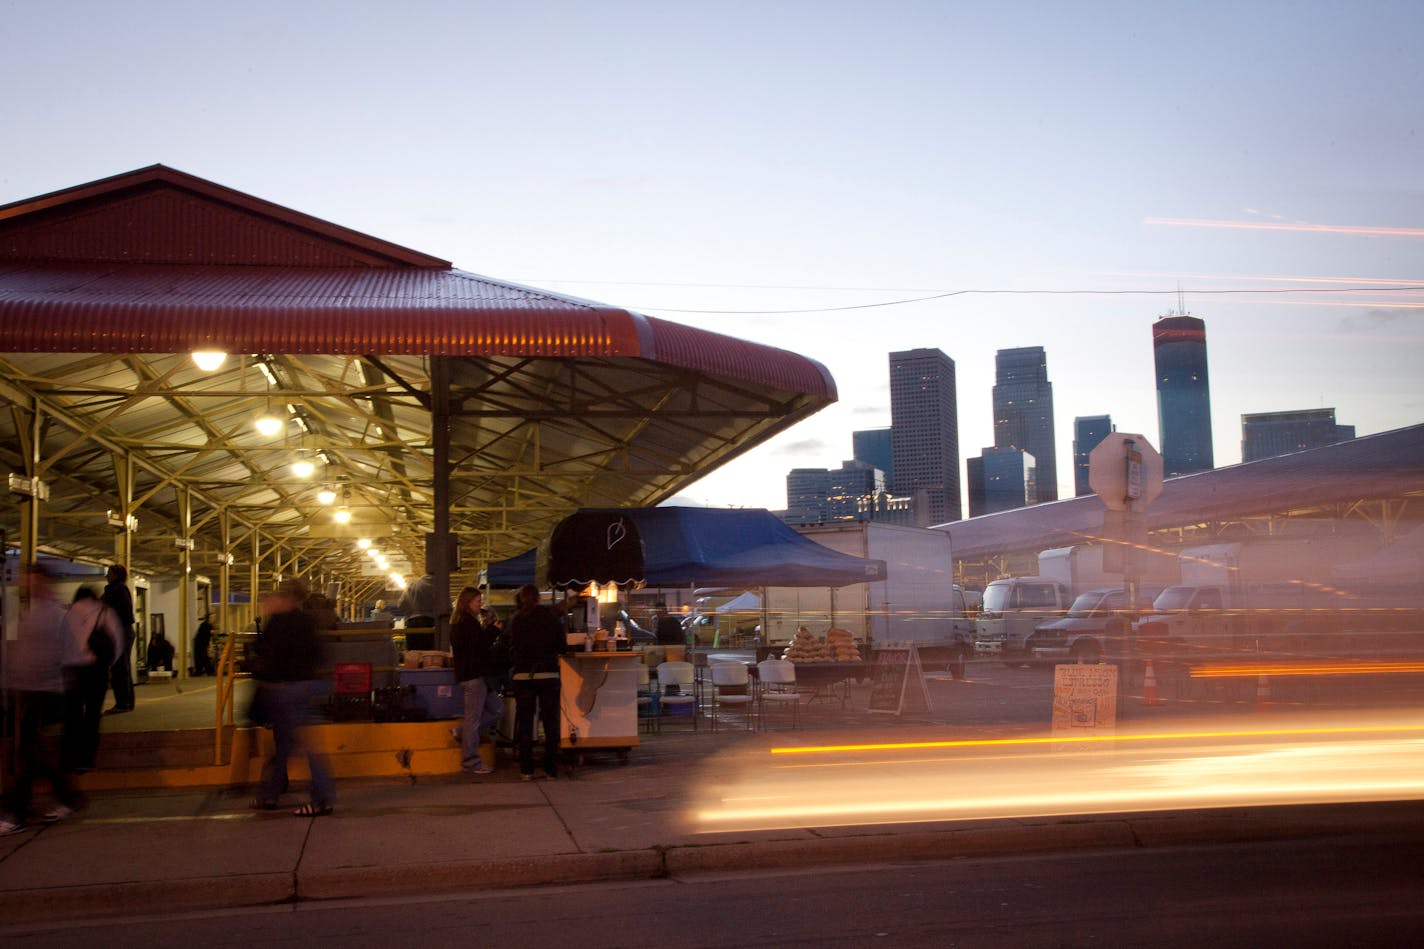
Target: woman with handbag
(94, 637)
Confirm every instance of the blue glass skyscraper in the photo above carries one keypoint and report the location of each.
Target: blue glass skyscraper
(1183, 394)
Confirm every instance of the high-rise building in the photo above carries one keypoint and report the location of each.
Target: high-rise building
(924, 430)
(1023, 412)
(806, 491)
(1001, 479)
(1088, 433)
(1183, 394)
(1268, 434)
(872, 446)
(814, 495)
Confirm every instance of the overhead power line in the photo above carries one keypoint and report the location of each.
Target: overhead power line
(1402, 288)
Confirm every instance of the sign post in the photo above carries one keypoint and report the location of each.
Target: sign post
(1126, 472)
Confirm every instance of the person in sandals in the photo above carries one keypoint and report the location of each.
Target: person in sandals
(288, 656)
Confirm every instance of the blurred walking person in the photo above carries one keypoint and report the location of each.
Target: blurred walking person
(288, 655)
(36, 684)
(536, 640)
(118, 598)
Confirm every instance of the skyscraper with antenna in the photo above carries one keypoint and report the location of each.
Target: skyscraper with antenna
(1183, 392)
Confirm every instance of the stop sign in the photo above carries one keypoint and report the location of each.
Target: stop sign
(1125, 468)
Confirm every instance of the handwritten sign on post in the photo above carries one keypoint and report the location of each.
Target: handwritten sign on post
(1084, 698)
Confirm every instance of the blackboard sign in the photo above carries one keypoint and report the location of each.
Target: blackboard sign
(897, 679)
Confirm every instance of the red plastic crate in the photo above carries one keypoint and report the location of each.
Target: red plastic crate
(352, 678)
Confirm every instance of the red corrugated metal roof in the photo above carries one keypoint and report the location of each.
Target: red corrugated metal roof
(156, 260)
(49, 306)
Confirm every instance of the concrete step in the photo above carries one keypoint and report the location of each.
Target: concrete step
(175, 748)
(184, 758)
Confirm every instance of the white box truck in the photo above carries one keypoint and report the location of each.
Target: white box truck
(1246, 597)
(917, 602)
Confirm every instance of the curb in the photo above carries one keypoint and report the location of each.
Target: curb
(1008, 837)
(148, 896)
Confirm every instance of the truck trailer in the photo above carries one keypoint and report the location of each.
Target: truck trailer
(917, 602)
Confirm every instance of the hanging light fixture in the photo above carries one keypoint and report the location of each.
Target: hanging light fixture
(303, 467)
(268, 424)
(327, 496)
(364, 543)
(209, 360)
(342, 516)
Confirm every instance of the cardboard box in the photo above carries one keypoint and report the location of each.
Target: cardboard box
(426, 659)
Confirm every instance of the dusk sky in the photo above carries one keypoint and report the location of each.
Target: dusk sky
(838, 179)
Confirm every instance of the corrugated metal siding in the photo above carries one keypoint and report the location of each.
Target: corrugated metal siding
(172, 227)
(163, 215)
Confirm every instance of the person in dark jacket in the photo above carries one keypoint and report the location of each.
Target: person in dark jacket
(118, 598)
(536, 640)
(288, 656)
(479, 667)
(89, 624)
(202, 648)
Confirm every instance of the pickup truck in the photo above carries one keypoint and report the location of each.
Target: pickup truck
(1093, 628)
(1013, 608)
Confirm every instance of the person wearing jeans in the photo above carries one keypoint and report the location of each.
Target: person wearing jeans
(288, 652)
(536, 640)
(474, 640)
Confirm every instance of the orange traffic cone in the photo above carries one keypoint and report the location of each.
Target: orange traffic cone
(1263, 692)
(1149, 685)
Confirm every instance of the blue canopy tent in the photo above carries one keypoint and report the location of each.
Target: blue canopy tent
(713, 547)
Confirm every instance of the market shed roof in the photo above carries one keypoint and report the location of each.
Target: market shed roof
(556, 403)
(1320, 481)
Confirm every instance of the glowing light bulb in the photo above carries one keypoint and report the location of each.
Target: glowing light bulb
(209, 360)
(327, 496)
(364, 543)
(268, 425)
(342, 516)
(303, 468)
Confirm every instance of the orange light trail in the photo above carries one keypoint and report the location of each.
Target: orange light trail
(1355, 230)
(1304, 669)
(1086, 739)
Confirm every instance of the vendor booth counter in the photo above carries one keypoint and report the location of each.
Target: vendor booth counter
(599, 698)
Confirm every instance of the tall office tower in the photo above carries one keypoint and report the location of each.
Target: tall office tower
(1023, 412)
(1001, 479)
(872, 446)
(1183, 394)
(1268, 434)
(806, 490)
(924, 430)
(1088, 433)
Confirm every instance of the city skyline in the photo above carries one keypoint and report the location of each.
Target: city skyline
(840, 180)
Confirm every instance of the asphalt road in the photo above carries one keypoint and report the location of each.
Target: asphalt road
(1355, 891)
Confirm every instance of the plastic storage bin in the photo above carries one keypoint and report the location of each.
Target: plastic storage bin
(436, 691)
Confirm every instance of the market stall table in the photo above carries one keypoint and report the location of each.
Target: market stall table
(821, 678)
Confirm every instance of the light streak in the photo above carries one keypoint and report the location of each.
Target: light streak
(1355, 230)
(1223, 671)
(1088, 739)
(1287, 762)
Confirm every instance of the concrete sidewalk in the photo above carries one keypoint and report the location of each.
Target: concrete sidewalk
(141, 852)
